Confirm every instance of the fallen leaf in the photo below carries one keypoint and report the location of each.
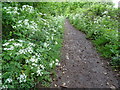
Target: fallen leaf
(112, 87)
(55, 85)
(63, 72)
(105, 73)
(108, 83)
(63, 84)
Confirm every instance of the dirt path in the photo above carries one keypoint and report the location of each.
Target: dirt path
(81, 66)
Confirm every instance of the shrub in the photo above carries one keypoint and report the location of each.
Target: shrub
(31, 45)
(100, 24)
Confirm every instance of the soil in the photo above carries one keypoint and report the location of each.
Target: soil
(81, 66)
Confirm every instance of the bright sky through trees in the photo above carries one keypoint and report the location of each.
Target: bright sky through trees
(116, 3)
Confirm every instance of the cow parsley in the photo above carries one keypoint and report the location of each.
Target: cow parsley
(22, 78)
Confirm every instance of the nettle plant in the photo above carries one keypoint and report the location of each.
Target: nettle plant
(31, 45)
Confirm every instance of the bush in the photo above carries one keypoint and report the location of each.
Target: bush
(100, 23)
(31, 45)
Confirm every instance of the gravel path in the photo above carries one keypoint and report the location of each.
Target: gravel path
(81, 66)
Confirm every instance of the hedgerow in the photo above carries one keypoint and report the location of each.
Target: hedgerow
(31, 46)
(100, 23)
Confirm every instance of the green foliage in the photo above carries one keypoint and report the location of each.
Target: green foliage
(100, 22)
(31, 45)
(33, 32)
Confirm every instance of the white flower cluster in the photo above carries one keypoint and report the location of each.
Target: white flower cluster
(12, 10)
(9, 80)
(22, 78)
(26, 22)
(56, 42)
(33, 26)
(43, 20)
(51, 64)
(30, 25)
(105, 12)
(46, 45)
(13, 44)
(21, 40)
(27, 8)
(11, 40)
(57, 62)
(5, 44)
(34, 59)
(11, 48)
(42, 14)
(38, 55)
(39, 72)
(3, 87)
(31, 44)
(42, 66)
(17, 44)
(24, 51)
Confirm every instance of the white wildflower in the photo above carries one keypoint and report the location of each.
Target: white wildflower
(57, 64)
(43, 19)
(4, 7)
(9, 80)
(16, 8)
(21, 51)
(15, 12)
(21, 40)
(11, 48)
(34, 64)
(29, 49)
(44, 14)
(56, 42)
(42, 66)
(57, 60)
(17, 44)
(27, 61)
(51, 64)
(40, 13)
(33, 59)
(19, 25)
(32, 73)
(4, 87)
(31, 67)
(11, 40)
(9, 12)
(38, 54)
(39, 72)
(31, 44)
(9, 7)
(14, 26)
(22, 78)
(46, 45)
(26, 22)
(52, 37)
(6, 44)
(20, 21)
(105, 12)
